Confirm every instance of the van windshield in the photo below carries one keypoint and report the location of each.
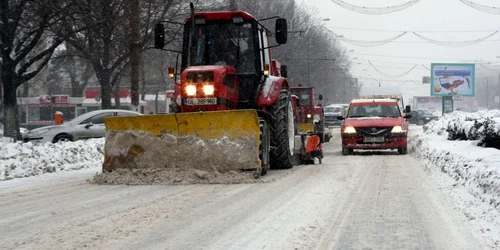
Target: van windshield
(374, 110)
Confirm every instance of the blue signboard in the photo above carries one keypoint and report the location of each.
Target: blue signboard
(449, 79)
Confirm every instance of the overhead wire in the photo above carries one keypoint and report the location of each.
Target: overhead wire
(392, 76)
(481, 7)
(422, 58)
(385, 80)
(382, 61)
(455, 43)
(385, 66)
(482, 65)
(419, 31)
(374, 10)
(367, 43)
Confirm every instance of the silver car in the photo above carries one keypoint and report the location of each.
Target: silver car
(89, 125)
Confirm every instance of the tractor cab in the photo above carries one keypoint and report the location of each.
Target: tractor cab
(225, 60)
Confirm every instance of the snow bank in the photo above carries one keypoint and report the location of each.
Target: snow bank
(482, 126)
(455, 145)
(476, 168)
(18, 160)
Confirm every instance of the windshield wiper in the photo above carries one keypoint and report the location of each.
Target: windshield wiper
(356, 116)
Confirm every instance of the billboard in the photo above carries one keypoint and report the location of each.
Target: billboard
(448, 79)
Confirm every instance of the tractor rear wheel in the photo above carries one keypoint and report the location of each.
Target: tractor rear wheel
(282, 128)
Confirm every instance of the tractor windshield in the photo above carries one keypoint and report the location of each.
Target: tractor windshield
(304, 96)
(222, 43)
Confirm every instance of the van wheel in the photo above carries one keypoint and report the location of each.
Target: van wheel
(403, 151)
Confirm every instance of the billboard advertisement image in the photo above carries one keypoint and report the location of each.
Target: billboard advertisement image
(448, 79)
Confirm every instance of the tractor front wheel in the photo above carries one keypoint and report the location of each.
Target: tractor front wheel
(282, 128)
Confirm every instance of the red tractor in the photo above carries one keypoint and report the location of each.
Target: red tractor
(310, 120)
(226, 65)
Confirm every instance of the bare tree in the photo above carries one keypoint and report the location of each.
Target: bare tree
(25, 49)
(68, 69)
(106, 43)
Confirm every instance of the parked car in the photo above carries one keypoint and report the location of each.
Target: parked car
(421, 117)
(89, 125)
(374, 124)
(21, 129)
(331, 114)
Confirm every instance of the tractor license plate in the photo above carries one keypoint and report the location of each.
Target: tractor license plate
(374, 139)
(200, 101)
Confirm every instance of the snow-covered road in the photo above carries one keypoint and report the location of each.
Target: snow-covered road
(363, 201)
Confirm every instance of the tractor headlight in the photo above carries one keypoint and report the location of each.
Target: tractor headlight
(208, 89)
(397, 129)
(349, 130)
(308, 115)
(191, 90)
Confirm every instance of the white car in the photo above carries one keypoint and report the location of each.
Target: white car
(88, 125)
(21, 129)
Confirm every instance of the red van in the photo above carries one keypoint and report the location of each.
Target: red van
(374, 124)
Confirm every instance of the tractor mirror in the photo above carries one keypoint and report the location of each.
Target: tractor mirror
(281, 31)
(159, 36)
(320, 97)
(284, 72)
(408, 109)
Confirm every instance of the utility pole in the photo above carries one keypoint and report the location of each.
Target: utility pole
(135, 50)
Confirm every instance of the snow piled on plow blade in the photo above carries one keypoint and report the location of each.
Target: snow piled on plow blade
(205, 147)
(138, 157)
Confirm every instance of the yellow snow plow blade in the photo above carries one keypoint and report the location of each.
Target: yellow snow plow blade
(218, 141)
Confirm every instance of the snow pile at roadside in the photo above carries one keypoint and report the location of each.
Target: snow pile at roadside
(467, 168)
(482, 126)
(18, 160)
(470, 166)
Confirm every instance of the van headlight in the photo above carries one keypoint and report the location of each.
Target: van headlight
(398, 129)
(350, 130)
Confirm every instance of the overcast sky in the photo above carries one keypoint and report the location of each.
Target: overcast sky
(426, 15)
